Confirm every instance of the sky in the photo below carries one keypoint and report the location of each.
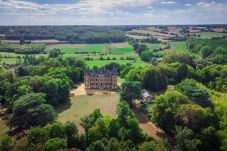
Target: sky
(112, 12)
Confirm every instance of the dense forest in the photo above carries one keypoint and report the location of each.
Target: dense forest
(70, 34)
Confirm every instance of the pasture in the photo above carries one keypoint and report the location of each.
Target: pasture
(209, 35)
(83, 105)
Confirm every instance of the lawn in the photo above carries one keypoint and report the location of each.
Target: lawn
(209, 35)
(84, 105)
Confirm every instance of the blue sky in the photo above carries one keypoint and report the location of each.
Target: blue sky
(112, 12)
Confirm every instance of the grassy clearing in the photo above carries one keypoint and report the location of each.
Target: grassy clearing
(209, 35)
(84, 105)
(180, 47)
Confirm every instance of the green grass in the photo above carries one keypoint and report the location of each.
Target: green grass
(121, 50)
(72, 48)
(84, 105)
(209, 35)
(180, 47)
(154, 46)
(100, 63)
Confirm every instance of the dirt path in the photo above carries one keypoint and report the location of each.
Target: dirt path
(148, 127)
(80, 90)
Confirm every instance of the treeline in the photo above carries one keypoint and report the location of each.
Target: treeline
(212, 50)
(70, 34)
(23, 49)
(193, 115)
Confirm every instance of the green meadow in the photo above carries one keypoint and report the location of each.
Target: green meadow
(209, 35)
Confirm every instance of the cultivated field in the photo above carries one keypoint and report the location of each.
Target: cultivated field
(84, 105)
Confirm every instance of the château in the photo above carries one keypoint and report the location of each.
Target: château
(101, 79)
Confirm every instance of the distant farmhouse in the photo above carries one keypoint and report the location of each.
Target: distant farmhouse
(101, 79)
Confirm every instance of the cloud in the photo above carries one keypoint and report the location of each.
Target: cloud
(213, 6)
(82, 6)
(188, 5)
(168, 2)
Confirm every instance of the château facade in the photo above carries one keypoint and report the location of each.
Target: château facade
(101, 79)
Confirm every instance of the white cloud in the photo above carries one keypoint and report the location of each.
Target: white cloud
(80, 7)
(188, 5)
(168, 2)
(213, 6)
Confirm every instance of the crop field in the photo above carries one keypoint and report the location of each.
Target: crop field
(209, 35)
(84, 105)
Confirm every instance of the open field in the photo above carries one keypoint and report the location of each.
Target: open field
(154, 46)
(211, 34)
(99, 63)
(84, 105)
(72, 48)
(180, 47)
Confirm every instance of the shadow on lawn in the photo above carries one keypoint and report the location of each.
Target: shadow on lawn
(61, 108)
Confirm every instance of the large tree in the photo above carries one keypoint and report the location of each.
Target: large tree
(30, 110)
(164, 110)
(130, 90)
(154, 79)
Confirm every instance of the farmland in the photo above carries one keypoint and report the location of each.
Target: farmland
(209, 35)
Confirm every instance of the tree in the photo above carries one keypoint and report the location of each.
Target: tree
(113, 145)
(70, 129)
(56, 130)
(195, 117)
(154, 79)
(54, 53)
(37, 135)
(57, 91)
(88, 121)
(96, 146)
(146, 55)
(54, 144)
(130, 90)
(134, 132)
(164, 110)
(173, 57)
(185, 140)
(123, 113)
(147, 146)
(29, 110)
(139, 48)
(198, 95)
(205, 51)
(134, 74)
(210, 139)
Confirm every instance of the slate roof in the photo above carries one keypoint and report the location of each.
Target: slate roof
(103, 71)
